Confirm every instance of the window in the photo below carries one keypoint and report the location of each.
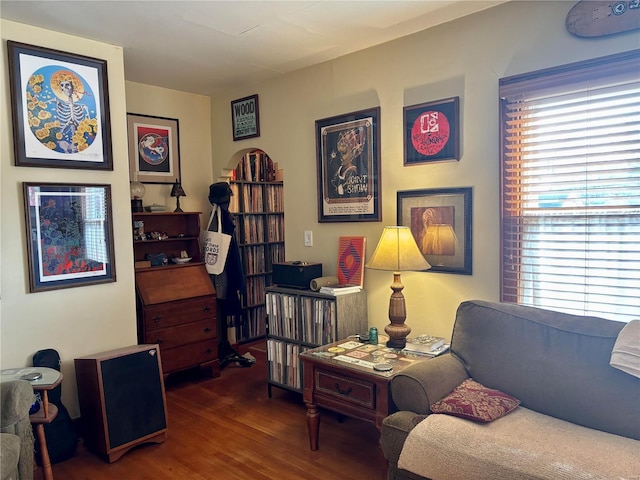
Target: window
(570, 188)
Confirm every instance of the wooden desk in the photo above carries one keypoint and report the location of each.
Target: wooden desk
(50, 379)
(340, 377)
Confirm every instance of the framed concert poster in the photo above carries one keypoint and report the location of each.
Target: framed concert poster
(440, 221)
(60, 108)
(69, 233)
(348, 166)
(432, 131)
(154, 148)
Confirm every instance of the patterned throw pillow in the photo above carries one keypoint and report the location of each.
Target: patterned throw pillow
(474, 401)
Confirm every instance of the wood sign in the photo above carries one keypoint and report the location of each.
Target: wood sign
(594, 18)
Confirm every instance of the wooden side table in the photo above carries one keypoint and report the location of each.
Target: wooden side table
(50, 379)
(340, 377)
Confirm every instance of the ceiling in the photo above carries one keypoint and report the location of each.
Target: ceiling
(208, 45)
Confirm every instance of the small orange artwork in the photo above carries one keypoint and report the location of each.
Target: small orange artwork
(351, 252)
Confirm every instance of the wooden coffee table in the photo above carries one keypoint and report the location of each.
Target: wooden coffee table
(340, 377)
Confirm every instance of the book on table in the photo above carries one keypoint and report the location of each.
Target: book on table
(424, 344)
(341, 289)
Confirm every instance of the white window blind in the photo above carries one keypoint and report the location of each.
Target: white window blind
(570, 188)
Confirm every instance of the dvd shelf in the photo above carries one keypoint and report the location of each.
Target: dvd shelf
(257, 205)
(298, 320)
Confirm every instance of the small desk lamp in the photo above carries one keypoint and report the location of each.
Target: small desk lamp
(397, 251)
(177, 191)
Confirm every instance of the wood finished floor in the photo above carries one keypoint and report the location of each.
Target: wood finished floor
(228, 428)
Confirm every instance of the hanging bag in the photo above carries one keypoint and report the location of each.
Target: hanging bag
(215, 245)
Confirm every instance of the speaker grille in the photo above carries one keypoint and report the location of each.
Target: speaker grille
(133, 398)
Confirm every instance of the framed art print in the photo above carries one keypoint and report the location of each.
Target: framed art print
(432, 131)
(348, 162)
(245, 118)
(154, 148)
(69, 233)
(351, 251)
(60, 108)
(440, 221)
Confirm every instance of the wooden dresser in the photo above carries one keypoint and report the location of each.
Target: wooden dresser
(176, 303)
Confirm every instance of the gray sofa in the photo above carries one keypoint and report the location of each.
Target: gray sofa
(16, 435)
(578, 418)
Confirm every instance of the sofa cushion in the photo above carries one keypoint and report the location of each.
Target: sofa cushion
(524, 445)
(474, 401)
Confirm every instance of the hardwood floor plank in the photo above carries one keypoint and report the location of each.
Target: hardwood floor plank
(227, 428)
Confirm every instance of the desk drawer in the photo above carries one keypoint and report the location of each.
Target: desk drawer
(187, 356)
(182, 334)
(358, 392)
(175, 313)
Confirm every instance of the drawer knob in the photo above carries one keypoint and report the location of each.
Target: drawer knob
(206, 308)
(342, 392)
(207, 330)
(158, 341)
(157, 319)
(208, 350)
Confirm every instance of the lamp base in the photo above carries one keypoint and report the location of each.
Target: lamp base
(397, 335)
(136, 205)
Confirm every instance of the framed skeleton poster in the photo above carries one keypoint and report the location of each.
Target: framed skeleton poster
(60, 107)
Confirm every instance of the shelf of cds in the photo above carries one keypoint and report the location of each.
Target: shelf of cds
(257, 205)
(298, 320)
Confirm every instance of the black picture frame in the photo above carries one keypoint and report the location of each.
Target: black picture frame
(245, 118)
(350, 191)
(441, 222)
(154, 148)
(69, 235)
(60, 109)
(432, 131)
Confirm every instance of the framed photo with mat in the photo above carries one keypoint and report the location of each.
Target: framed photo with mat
(60, 108)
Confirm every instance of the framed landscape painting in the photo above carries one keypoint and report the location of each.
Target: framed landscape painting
(348, 162)
(60, 107)
(69, 233)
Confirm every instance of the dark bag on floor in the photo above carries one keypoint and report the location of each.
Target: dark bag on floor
(62, 438)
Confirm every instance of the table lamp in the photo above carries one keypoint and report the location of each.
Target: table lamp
(137, 192)
(177, 191)
(397, 251)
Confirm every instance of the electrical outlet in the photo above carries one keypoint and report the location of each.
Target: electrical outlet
(308, 238)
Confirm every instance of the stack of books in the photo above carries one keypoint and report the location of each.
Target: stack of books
(341, 289)
(426, 345)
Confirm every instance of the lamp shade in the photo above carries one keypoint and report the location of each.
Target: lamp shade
(397, 251)
(177, 190)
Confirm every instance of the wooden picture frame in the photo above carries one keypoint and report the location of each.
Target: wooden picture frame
(432, 131)
(60, 109)
(245, 118)
(441, 222)
(154, 148)
(348, 166)
(69, 234)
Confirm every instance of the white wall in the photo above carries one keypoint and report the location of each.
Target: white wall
(463, 58)
(75, 321)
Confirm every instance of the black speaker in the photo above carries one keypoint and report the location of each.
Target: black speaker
(122, 400)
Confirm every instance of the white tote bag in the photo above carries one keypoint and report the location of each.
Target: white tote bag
(215, 246)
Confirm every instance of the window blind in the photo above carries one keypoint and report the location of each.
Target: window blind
(570, 188)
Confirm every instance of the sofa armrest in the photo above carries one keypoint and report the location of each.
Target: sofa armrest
(417, 387)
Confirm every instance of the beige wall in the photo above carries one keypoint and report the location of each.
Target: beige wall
(194, 122)
(74, 321)
(463, 58)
